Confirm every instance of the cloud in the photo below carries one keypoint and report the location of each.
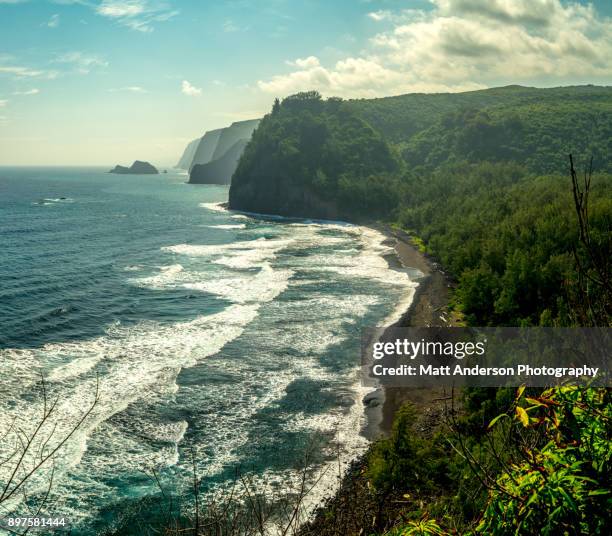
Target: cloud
(139, 15)
(190, 90)
(380, 15)
(229, 26)
(32, 91)
(130, 89)
(118, 8)
(3, 103)
(464, 44)
(54, 21)
(19, 71)
(83, 63)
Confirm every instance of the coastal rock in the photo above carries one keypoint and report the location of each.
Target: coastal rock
(219, 171)
(205, 148)
(285, 199)
(215, 143)
(137, 168)
(240, 130)
(188, 153)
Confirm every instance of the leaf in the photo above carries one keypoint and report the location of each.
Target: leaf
(492, 423)
(520, 391)
(534, 401)
(522, 415)
(598, 492)
(571, 502)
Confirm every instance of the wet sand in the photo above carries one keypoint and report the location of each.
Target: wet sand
(429, 307)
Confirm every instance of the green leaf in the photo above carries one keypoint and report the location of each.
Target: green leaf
(492, 423)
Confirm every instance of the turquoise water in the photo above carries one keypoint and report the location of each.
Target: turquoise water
(229, 337)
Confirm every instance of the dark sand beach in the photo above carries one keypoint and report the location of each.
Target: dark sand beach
(429, 307)
(354, 504)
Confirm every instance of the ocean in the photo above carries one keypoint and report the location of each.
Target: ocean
(224, 341)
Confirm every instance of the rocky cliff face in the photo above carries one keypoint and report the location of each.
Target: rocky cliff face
(240, 130)
(221, 148)
(188, 154)
(206, 148)
(137, 168)
(219, 171)
(286, 199)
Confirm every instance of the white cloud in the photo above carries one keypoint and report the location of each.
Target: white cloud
(19, 71)
(188, 89)
(32, 91)
(130, 89)
(82, 62)
(54, 21)
(229, 26)
(310, 62)
(380, 15)
(3, 103)
(118, 8)
(139, 15)
(464, 44)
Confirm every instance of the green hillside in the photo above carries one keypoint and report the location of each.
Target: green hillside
(314, 158)
(485, 187)
(481, 181)
(535, 127)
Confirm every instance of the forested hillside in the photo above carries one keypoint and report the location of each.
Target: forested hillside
(308, 157)
(482, 181)
(536, 127)
(487, 189)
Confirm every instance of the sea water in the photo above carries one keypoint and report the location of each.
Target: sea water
(212, 338)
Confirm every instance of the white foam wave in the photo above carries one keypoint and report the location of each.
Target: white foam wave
(228, 226)
(167, 274)
(138, 365)
(238, 255)
(164, 350)
(215, 207)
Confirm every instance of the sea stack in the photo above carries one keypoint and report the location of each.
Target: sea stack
(137, 168)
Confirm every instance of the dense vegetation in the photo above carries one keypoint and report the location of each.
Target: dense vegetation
(311, 157)
(482, 180)
(478, 199)
(536, 127)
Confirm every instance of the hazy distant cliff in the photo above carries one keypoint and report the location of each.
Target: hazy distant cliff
(205, 149)
(241, 130)
(212, 159)
(219, 171)
(188, 153)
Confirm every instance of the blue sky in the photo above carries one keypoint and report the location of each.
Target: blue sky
(109, 81)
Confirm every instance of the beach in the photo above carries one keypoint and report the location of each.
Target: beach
(429, 307)
(354, 504)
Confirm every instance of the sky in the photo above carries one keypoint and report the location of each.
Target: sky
(101, 82)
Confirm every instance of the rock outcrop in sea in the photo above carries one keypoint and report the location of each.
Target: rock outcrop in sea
(137, 168)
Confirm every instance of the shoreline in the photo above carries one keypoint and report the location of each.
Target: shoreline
(429, 307)
(353, 504)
